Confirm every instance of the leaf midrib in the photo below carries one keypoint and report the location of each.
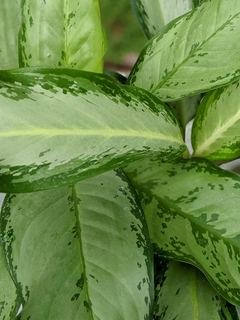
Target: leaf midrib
(109, 133)
(81, 250)
(193, 53)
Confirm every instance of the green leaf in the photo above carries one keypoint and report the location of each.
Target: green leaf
(63, 125)
(80, 252)
(186, 109)
(115, 75)
(192, 209)
(9, 26)
(154, 15)
(197, 2)
(193, 54)
(184, 293)
(9, 300)
(62, 33)
(216, 131)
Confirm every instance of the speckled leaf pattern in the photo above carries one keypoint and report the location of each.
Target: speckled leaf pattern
(184, 293)
(62, 33)
(192, 209)
(62, 125)
(153, 15)
(80, 252)
(9, 300)
(9, 26)
(189, 55)
(216, 128)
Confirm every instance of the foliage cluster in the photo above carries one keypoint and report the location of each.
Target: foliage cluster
(107, 214)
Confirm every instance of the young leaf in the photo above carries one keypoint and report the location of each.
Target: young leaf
(154, 15)
(216, 131)
(62, 125)
(193, 54)
(9, 26)
(192, 210)
(80, 252)
(184, 293)
(62, 33)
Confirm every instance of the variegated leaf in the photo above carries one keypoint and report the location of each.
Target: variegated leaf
(10, 18)
(9, 299)
(153, 15)
(192, 210)
(196, 53)
(62, 125)
(184, 293)
(80, 252)
(216, 128)
(62, 33)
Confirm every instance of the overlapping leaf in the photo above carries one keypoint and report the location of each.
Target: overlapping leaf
(216, 128)
(9, 26)
(184, 293)
(62, 33)
(61, 125)
(192, 209)
(80, 252)
(154, 15)
(193, 54)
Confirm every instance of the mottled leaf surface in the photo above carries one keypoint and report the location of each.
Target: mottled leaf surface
(62, 125)
(193, 54)
(80, 252)
(184, 293)
(9, 299)
(192, 209)
(153, 15)
(59, 33)
(216, 128)
(10, 16)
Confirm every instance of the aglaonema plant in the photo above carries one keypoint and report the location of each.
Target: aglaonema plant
(107, 215)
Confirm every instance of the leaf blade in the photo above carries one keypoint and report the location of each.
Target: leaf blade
(63, 125)
(215, 132)
(9, 25)
(9, 299)
(173, 68)
(192, 222)
(152, 17)
(60, 33)
(194, 297)
(65, 234)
